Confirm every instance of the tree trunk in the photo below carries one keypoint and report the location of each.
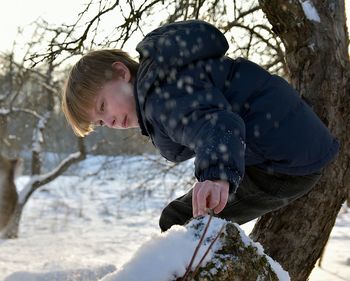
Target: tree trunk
(12, 227)
(236, 261)
(8, 192)
(317, 56)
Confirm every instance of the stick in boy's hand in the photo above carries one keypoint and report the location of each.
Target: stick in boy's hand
(210, 194)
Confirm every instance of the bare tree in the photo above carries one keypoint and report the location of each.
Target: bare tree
(28, 98)
(242, 22)
(12, 227)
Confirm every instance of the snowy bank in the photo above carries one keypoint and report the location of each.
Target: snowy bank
(166, 256)
(94, 274)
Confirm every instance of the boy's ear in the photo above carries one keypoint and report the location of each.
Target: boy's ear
(122, 71)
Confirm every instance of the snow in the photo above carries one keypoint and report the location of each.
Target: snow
(310, 10)
(276, 267)
(4, 111)
(91, 274)
(102, 213)
(312, 46)
(38, 137)
(162, 258)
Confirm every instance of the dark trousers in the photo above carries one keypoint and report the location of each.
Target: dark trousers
(260, 192)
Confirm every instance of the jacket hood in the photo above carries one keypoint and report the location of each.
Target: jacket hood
(180, 43)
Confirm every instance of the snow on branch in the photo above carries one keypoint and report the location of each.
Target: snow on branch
(310, 10)
(38, 138)
(5, 111)
(39, 180)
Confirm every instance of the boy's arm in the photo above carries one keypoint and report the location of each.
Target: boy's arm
(201, 118)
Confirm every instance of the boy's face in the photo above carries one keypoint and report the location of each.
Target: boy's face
(115, 103)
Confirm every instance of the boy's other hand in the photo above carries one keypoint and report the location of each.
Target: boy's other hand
(210, 194)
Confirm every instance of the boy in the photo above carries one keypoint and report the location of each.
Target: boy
(257, 144)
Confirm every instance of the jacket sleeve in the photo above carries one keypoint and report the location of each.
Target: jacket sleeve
(197, 115)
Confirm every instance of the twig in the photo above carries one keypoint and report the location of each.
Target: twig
(207, 251)
(197, 248)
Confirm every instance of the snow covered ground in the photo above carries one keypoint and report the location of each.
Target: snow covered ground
(107, 208)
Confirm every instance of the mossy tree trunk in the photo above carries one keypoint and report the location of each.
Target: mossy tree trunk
(318, 61)
(235, 261)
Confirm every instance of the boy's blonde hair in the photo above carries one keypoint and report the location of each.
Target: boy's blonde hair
(86, 77)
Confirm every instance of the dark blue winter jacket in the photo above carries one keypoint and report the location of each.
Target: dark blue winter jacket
(193, 101)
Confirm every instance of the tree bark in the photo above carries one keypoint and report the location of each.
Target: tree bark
(318, 61)
(8, 192)
(3, 133)
(235, 261)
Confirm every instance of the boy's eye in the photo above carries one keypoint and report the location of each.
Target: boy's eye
(102, 107)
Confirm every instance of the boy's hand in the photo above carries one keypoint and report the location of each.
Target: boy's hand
(209, 195)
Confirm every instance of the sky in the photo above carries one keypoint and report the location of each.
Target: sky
(18, 13)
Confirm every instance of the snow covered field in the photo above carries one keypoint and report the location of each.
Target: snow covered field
(102, 213)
